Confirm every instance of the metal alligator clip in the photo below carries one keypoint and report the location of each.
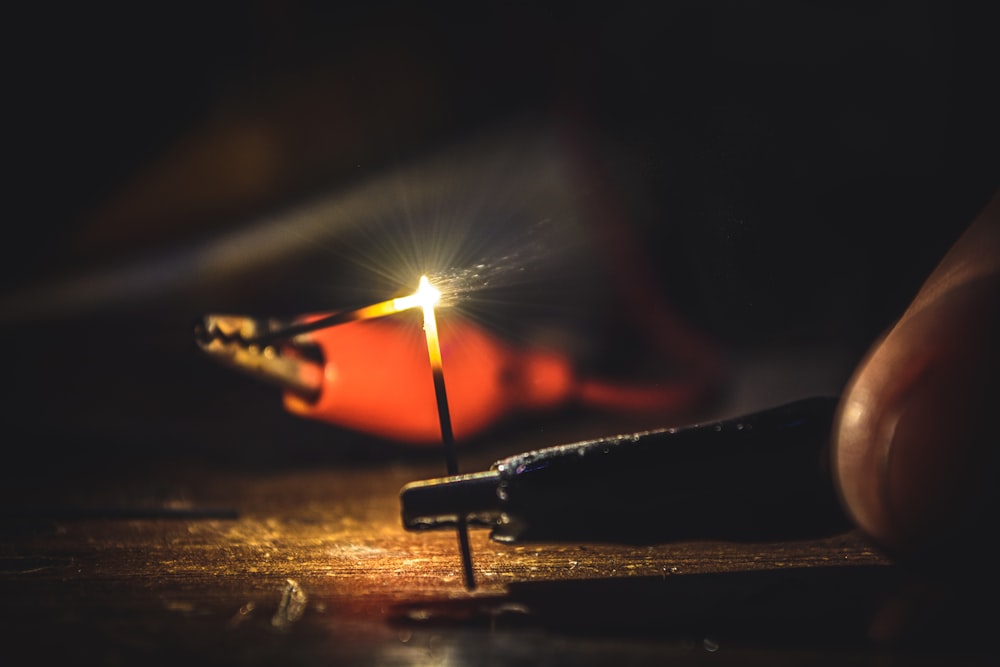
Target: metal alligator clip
(250, 345)
(762, 476)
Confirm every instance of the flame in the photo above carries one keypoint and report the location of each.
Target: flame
(428, 297)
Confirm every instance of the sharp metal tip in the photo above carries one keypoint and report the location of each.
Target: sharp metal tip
(463, 546)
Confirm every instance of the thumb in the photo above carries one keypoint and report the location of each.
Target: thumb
(915, 449)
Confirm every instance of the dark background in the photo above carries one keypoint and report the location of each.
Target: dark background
(794, 172)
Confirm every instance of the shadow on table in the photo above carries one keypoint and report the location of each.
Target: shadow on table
(849, 607)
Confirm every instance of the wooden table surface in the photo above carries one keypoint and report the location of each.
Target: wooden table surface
(160, 509)
(310, 565)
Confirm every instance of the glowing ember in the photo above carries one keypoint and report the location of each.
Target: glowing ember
(428, 297)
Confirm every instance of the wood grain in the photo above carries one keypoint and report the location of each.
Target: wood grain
(316, 568)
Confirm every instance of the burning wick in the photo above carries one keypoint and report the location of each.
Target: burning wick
(427, 296)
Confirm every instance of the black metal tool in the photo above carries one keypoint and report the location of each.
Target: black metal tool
(763, 476)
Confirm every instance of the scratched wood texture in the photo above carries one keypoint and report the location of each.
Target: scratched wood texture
(314, 568)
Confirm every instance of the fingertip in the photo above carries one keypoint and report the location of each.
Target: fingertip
(912, 448)
(859, 447)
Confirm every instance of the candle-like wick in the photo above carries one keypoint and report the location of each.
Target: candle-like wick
(376, 310)
(428, 297)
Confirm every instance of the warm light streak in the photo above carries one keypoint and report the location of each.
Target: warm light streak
(428, 298)
(382, 309)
